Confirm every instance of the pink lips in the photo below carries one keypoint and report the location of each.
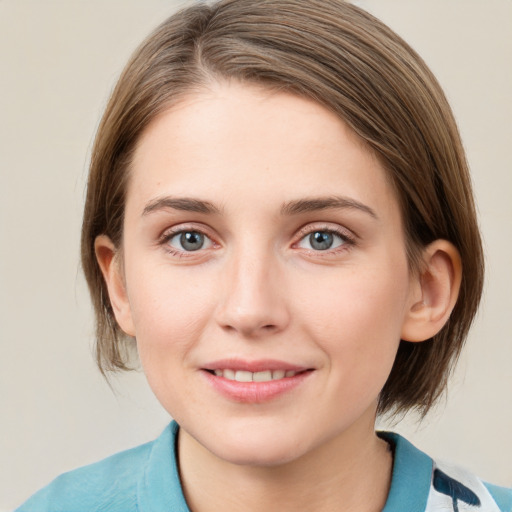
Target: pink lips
(289, 376)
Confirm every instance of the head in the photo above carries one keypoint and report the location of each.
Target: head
(343, 59)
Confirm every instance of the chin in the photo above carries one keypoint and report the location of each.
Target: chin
(257, 444)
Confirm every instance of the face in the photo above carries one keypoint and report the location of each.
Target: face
(264, 273)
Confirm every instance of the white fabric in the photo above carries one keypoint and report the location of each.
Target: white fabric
(440, 502)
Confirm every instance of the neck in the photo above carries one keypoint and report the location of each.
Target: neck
(351, 472)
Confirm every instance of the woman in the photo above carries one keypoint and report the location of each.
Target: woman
(279, 212)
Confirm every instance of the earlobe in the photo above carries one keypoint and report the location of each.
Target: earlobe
(434, 292)
(108, 259)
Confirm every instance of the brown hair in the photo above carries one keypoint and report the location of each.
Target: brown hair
(350, 62)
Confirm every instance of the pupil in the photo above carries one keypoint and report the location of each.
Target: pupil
(191, 241)
(321, 240)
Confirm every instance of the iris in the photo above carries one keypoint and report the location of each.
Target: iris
(321, 240)
(191, 240)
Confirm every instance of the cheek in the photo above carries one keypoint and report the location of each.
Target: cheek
(169, 315)
(357, 317)
(169, 311)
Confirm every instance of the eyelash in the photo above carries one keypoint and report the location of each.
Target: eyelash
(347, 239)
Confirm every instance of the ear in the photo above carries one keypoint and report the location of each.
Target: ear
(111, 267)
(434, 291)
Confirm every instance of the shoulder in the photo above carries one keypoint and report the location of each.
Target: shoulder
(143, 479)
(110, 484)
(422, 484)
(502, 496)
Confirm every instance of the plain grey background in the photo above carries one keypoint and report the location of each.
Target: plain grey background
(59, 61)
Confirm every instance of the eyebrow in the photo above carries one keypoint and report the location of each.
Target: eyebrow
(295, 207)
(325, 203)
(185, 204)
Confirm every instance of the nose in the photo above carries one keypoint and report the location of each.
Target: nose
(253, 302)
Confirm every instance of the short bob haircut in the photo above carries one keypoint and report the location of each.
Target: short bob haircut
(351, 63)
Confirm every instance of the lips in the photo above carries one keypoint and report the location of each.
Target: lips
(254, 381)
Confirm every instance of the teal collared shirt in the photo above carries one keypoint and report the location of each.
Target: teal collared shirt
(146, 479)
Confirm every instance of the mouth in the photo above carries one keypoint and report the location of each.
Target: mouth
(254, 382)
(247, 376)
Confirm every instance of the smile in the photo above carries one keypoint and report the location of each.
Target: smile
(246, 376)
(254, 382)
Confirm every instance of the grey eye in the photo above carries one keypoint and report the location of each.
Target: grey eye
(189, 241)
(322, 240)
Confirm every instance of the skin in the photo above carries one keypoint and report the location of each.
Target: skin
(251, 161)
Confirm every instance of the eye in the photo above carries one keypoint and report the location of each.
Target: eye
(322, 240)
(189, 241)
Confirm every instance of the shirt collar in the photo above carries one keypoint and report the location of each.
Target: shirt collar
(159, 489)
(412, 476)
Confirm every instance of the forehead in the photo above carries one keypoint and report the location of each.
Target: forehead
(236, 139)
